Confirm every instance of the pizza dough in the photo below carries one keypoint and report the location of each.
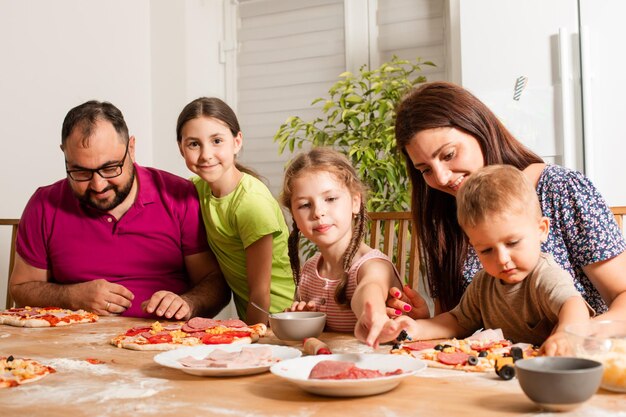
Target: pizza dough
(17, 371)
(45, 317)
(196, 331)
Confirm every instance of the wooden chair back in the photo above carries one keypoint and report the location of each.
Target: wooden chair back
(393, 234)
(13, 223)
(619, 212)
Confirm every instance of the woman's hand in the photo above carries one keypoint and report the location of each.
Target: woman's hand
(409, 302)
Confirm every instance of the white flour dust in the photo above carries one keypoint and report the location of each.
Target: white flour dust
(72, 365)
(220, 411)
(353, 346)
(584, 411)
(96, 383)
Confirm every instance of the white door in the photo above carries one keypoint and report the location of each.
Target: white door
(502, 44)
(604, 95)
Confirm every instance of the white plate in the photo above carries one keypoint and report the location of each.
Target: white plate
(297, 371)
(170, 359)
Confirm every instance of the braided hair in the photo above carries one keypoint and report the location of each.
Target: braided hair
(323, 159)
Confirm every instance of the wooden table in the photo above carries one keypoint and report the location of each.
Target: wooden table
(130, 383)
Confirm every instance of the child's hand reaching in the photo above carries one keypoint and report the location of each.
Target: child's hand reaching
(303, 306)
(556, 345)
(374, 329)
(370, 325)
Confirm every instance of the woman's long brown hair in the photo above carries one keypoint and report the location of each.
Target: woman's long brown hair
(436, 105)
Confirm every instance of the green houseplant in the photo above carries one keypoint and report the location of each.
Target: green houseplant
(358, 119)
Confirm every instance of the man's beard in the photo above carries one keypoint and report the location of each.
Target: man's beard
(121, 192)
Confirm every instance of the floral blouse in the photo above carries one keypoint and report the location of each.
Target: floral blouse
(582, 229)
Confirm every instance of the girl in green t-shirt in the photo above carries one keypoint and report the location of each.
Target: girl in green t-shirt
(245, 226)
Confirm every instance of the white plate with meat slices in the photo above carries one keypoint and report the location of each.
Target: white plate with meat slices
(226, 360)
(348, 374)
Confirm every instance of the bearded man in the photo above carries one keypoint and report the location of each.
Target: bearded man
(114, 237)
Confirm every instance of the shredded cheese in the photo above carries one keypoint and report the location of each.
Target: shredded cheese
(156, 327)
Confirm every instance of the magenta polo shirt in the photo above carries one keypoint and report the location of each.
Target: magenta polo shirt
(143, 251)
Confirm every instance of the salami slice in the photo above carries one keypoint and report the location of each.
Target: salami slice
(480, 347)
(197, 324)
(452, 358)
(420, 345)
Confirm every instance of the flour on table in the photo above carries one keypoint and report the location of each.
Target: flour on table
(131, 384)
(353, 346)
(585, 411)
(72, 365)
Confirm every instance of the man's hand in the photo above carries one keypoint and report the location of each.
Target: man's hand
(409, 302)
(101, 297)
(167, 304)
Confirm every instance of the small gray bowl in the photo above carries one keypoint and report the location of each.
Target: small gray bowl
(297, 325)
(559, 383)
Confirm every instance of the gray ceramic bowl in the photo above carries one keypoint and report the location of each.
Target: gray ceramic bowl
(559, 383)
(297, 325)
(603, 341)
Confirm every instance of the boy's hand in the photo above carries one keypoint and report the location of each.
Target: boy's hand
(556, 345)
(303, 306)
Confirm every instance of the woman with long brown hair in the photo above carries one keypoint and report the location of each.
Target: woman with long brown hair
(445, 134)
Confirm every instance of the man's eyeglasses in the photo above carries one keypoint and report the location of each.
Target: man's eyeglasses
(107, 172)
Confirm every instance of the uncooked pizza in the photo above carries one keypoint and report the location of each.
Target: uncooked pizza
(473, 354)
(45, 317)
(196, 331)
(17, 371)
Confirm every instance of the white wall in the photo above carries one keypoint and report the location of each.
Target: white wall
(185, 65)
(149, 58)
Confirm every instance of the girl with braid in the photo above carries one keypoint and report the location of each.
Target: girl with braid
(326, 200)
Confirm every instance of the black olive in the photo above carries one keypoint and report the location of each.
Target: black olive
(472, 360)
(439, 347)
(402, 336)
(507, 372)
(10, 358)
(517, 353)
(483, 354)
(396, 346)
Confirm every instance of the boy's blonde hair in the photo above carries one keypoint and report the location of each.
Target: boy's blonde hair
(495, 189)
(323, 159)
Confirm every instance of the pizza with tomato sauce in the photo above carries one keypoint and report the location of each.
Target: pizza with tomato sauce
(471, 355)
(196, 331)
(45, 317)
(17, 371)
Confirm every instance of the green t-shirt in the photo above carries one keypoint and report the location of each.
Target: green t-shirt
(236, 221)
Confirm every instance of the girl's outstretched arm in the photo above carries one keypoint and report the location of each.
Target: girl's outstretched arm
(259, 272)
(376, 276)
